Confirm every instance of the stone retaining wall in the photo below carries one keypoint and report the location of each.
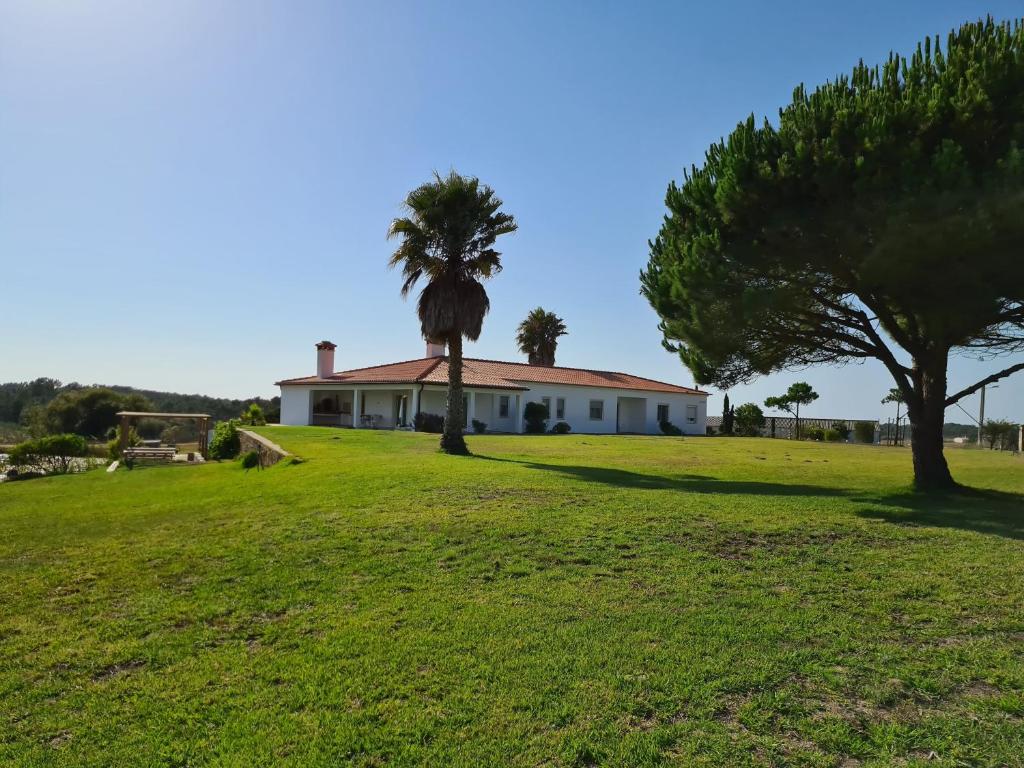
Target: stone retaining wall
(270, 453)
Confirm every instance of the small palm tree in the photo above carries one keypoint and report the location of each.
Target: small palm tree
(895, 396)
(448, 240)
(538, 336)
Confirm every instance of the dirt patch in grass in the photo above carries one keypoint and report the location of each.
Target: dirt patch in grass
(742, 545)
(115, 670)
(60, 739)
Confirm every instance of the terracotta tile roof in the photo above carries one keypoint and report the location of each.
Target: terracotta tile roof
(493, 374)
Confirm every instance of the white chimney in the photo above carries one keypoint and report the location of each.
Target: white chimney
(435, 348)
(325, 359)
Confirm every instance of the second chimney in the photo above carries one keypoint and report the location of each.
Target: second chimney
(325, 359)
(435, 348)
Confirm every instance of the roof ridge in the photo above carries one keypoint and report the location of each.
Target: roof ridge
(431, 368)
(389, 365)
(585, 370)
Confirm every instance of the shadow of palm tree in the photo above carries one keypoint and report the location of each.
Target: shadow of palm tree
(985, 511)
(622, 478)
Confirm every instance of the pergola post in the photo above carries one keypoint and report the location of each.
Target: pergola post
(126, 425)
(204, 438)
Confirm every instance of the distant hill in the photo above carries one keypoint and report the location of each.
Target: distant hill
(15, 397)
(220, 408)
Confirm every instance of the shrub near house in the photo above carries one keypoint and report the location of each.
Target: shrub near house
(536, 417)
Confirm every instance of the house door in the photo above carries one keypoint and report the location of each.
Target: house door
(401, 410)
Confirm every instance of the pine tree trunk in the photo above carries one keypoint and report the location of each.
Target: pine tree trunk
(452, 440)
(926, 415)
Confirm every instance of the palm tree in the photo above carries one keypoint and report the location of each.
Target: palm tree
(448, 240)
(895, 396)
(538, 336)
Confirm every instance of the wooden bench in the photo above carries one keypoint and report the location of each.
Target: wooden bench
(162, 454)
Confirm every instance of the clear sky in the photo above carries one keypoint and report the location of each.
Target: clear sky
(193, 193)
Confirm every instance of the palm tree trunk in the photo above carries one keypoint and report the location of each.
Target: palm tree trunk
(452, 440)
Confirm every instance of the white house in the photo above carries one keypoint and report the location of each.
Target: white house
(388, 396)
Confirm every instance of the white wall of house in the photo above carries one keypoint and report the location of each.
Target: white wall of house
(688, 412)
(296, 407)
(637, 410)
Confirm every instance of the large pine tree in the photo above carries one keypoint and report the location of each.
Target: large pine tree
(879, 218)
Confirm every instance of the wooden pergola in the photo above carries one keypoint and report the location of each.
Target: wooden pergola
(202, 425)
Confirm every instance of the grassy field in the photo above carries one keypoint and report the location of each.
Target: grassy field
(563, 601)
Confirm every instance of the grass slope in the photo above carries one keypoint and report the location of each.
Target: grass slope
(550, 601)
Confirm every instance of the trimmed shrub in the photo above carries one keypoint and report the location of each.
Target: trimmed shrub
(536, 416)
(749, 419)
(668, 428)
(864, 431)
(815, 433)
(225, 443)
(479, 427)
(832, 435)
(55, 454)
(429, 422)
(561, 428)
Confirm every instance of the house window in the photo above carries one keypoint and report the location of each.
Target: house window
(662, 413)
(597, 410)
(546, 401)
(503, 407)
(691, 414)
(560, 408)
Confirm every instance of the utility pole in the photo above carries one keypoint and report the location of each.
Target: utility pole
(981, 416)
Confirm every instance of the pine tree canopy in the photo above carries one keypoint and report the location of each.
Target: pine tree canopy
(884, 207)
(880, 217)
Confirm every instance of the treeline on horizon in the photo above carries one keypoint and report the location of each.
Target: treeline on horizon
(22, 404)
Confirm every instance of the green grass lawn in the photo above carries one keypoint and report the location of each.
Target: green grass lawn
(563, 601)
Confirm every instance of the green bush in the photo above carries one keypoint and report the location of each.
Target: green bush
(55, 454)
(479, 427)
(668, 428)
(832, 435)
(815, 433)
(226, 442)
(114, 444)
(429, 422)
(842, 428)
(864, 431)
(253, 415)
(88, 411)
(749, 419)
(561, 428)
(536, 417)
(251, 460)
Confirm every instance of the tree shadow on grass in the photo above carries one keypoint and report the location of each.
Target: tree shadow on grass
(622, 478)
(996, 513)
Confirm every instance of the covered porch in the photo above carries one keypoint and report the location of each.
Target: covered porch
(395, 406)
(364, 407)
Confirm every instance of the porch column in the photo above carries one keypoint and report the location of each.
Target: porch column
(415, 400)
(357, 402)
(519, 414)
(470, 409)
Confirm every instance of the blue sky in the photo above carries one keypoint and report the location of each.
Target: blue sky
(193, 193)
